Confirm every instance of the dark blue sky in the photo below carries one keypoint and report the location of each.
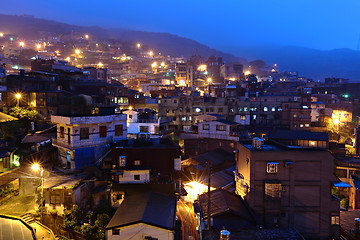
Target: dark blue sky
(224, 25)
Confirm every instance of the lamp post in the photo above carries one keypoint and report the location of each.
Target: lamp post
(18, 96)
(36, 167)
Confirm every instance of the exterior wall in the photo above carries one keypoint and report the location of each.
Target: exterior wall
(139, 231)
(77, 153)
(305, 200)
(214, 132)
(73, 125)
(239, 119)
(128, 176)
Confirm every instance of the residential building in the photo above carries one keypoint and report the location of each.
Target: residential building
(143, 216)
(82, 141)
(289, 187)
(184, 74)
(227, 211)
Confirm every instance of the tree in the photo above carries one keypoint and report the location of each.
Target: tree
(26, 114)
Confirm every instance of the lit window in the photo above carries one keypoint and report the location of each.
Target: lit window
(240, 109)
(62, 132)
(183, 118)
(335, 220)
(197, 110)
(265, 109)
(122, 161)
(220, 128)
(242, 117)
(273, 109)
(254, 117)
(279, 109)
(272, 191)
(245, 109)
(307, 125)
(272, 167)
(301, 125)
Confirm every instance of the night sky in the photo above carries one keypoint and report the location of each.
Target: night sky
(223, 25)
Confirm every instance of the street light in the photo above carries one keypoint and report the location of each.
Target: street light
(209, 80)
(77, 51)
(22, 44)
(36, 167)
(18, 96)
(138, 45)
(1, 34)
(38, 46)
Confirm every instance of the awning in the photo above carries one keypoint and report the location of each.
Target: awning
(342, 184)
(272, 163)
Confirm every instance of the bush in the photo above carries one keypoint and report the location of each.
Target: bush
(344, 203)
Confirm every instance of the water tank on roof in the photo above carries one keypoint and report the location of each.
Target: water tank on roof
(224, 235)
(257, 143)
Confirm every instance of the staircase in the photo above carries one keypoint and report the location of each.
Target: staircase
(28, 218)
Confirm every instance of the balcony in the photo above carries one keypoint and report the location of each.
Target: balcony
(143, 121)
(81, 143)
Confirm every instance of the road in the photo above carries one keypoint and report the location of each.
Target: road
(185, 213)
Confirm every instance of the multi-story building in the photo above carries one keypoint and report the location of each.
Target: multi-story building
(289, 187)
(184, 74)
(82, 141)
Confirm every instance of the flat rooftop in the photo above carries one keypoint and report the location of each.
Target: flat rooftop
(270, 146)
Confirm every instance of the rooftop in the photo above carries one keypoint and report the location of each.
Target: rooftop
(150, 208)
(15, 228)
(299, 135)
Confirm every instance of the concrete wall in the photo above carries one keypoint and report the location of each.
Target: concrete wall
(305, 201)
(128, 176)
(139, 231)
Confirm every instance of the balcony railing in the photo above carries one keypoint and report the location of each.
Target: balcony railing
(81, 143)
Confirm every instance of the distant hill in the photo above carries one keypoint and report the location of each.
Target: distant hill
(308, 62)
(166, 43)
(312, 63)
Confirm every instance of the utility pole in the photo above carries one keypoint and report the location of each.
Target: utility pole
(208, 193)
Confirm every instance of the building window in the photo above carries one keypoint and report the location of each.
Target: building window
(118, 130)
(273, 109)
(122, 161)
(84, 133)
(103, 131)
(245, 109)
(307, 125)
(206, 127)
(265, 109)
(272, 191)
(242, 117)
(136, 177)
(130, 116)
(240, 109)
(137, 162)
(54, 197)
(220, 110)
(144, 129)
(116, 232)
(220, 128)
(301, 125)
(62, 132)
(272, 167)
(335, 220)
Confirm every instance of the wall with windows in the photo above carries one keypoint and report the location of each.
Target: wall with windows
(134, 176)
(215, 129)
(139, 231)
(288, 188)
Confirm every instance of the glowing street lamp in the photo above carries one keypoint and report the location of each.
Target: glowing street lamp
(38, 46)
(36, 167)
(163, 64)
(100, 65)
(154, 65)
(209, 80)
(22, 44)
(151, 53)
(247, 73)
(77, 51)
(1, 34)
(18, 96)
(138, 45)
(86, 36)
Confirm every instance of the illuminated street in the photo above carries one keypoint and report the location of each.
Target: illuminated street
(187, 216)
